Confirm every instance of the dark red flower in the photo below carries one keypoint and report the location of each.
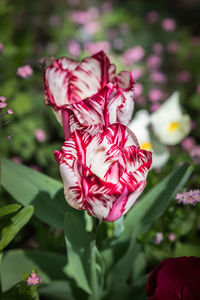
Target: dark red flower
(174, 279)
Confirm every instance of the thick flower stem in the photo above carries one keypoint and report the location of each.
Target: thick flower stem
(93, 271)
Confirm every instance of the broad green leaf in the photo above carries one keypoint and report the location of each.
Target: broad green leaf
(31, 187)
(155, 202)
(58, 289)
(16, 263)
(77, 242)
(187, 249)
(17, 223)
(9, 209)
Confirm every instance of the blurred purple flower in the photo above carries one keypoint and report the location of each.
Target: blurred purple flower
(155, 95)
(137, 73)
(133, 55)
(94, 47)
(118, 44)
(106, 7)
(138, 89)
(154, 62)
(74, 48)
(10, 112)
(55, 21)
(1, 47)
(92, 27)
(198, 89)
(40, 135)
(154, 107)
(25, 71)
(169, 24)
(195, 40)
(172, 47)
(172, 237)
(2, 102)
(152, 16)
(17, 159)
(195, 154)
(188, 143)
(191, 197)
(158, 77)
(158, 238)
(183, 76)
(157, 48)
(80, 17)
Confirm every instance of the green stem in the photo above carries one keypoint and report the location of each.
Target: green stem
(93, 271)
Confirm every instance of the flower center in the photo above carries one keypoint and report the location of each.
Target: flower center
(173, 126)
(146, 146)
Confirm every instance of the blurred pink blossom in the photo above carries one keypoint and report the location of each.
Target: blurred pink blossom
(118, 44)
(3, 104)
(195, 40)
(158, 48)
(169, 24)
(154, 61)
(92, 27)
(195, 154)
(152, 16)
(140, 101)
(158, 238)
(133, 55)
(172, 237)
(172, 47)
(198, 89)
(106, 7)
(154, 107)
(10, 112)
(17, 159)
(93, 12)
(73, 2)
(55, 21)
(25, 71)
(183, 76)
(93, 47)
(158, 77)
(137, 73)
(155, 95)
(1, 47)
(80, 17)
(188, 143)
(74, 48)
(138, 89)
(40, 135)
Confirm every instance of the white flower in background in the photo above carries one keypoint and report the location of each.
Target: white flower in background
(170, 125)
(147, 140)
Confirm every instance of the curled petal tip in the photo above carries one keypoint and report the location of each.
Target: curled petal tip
(58, 156)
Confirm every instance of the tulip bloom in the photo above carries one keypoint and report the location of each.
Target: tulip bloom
(88, 94)
(175, 278)
(169, 124)
(105, 173)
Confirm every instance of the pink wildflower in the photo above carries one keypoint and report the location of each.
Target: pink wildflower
(195, 154)
(188, 143)
(158, 77)
(137, 73)
(138, 89)
(25, 71)
(74, 48)
(152, 16)
(158, 48)
(158, 238)
(10, 112)
(2, 102)
(154, 107)
(33, 279)
(172, 47)
(155, 95)
(92, 27)
(183, 76)
(106, 7)
(191, 197)
(198, 89)
(40, 135)
(1, 47)
(172, 237)
(169, 24)
(154, 62)
(133, 55)
(93, 47)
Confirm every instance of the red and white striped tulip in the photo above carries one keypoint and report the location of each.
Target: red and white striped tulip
(103, 174)
(88, 95)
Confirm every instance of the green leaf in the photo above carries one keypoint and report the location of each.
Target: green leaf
(17, 223)
(155, 202)
(31, 187)
(77, 242)
(16, 263)
(9, 209)
(58, 289)
(187, 250)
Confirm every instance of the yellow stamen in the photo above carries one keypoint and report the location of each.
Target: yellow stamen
(146, 146)
(173, 126)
